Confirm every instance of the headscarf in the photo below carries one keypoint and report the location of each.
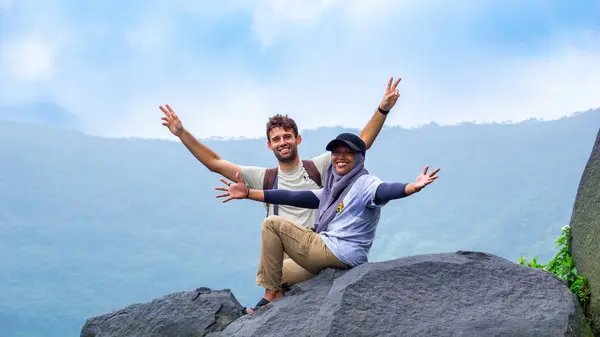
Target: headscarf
(335, 189)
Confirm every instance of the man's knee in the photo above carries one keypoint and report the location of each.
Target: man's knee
(276, 222)
(271, 222)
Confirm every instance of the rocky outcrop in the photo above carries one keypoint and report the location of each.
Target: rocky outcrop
(466, 294)
(184, 314)
(454, 294)
(585, 231)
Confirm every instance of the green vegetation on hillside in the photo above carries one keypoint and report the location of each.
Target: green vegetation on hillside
(562, 266)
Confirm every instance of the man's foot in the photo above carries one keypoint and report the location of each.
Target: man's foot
(259, 305)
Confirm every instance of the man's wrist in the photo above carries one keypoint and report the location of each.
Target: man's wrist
(180, 133)
(382, 111)
(247, 194)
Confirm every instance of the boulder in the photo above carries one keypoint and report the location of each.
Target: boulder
(585, 231)
(460, 294)
(184, 314)
(452, 294)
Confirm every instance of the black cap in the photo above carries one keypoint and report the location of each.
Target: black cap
(351, 140)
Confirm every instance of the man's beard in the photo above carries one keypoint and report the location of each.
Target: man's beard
(287, 158)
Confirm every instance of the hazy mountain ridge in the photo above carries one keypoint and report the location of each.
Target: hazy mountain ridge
(41, 113)
(91, 224)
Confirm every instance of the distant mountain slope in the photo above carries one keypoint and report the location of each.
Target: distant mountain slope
(90, 224)
(42, 113)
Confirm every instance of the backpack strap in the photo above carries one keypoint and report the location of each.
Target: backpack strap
(313, 172)
(269, 183)
(270, 180)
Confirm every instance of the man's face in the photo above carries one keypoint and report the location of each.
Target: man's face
(284, 144)
(342, 159)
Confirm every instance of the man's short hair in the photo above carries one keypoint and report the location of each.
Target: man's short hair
(280, 121)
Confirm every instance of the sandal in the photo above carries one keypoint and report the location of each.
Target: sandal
(259, 305)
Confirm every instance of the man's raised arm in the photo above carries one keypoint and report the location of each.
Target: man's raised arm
(372, 129)
(206, 156)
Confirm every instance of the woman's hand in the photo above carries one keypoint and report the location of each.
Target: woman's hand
(425, 179)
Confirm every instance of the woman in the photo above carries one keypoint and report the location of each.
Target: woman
(349, 207)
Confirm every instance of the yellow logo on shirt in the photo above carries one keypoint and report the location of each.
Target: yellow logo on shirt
(340, 207)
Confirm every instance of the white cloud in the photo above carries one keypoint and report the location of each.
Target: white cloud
(147, 37)
(151, 29)
(30, 58)
(493, 90)
(231, 110)
(331, 61)
(567, 81)
(341, 83)
(276, 18)
(32, 45)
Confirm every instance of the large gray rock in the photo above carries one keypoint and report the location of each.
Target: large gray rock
(461, 294)
(183, 314)
(458, 294)
(585, 231)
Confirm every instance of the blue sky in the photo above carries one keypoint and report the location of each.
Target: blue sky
(225, 66)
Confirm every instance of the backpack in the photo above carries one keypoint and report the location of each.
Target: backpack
(270, 181)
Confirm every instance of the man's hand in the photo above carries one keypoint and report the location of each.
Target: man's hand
(205, 155)
(425, 179)
(391, 95)
(234, 190)
(171, 121)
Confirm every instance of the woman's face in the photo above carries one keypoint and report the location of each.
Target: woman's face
(342, 159)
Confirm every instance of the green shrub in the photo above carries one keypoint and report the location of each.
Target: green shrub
(562, 266)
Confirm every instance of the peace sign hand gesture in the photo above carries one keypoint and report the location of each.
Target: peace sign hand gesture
(171, 121)
(391, 95)
(234, 190)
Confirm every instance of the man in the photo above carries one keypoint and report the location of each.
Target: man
(283, 139)
(349, 208)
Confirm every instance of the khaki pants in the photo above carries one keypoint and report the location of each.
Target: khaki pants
(308, 254)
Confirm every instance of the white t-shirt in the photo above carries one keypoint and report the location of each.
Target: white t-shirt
(296, 179)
